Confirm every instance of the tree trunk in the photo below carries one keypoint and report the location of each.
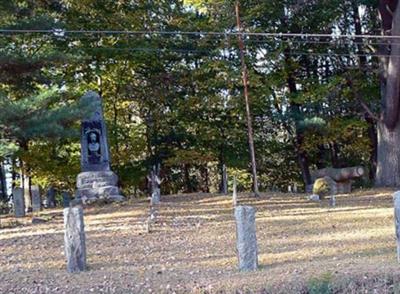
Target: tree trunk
(388, 165)
(3, 187)
(374, 150)
(26, 186)
(188, 183)
(388, 153)
(204, 176)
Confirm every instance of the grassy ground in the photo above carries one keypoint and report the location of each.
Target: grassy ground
(304, 247)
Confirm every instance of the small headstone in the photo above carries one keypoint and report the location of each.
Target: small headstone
(314, 197)
(234, 194)
(332, 201)
(19, 203)
(66, 196)
(74, 239)
(224, 183)
(295, 189)
(289, 189)
(246, 242)
(155, 182)
(396, 198)
(155, 196)
(36, 199)
(51, 198)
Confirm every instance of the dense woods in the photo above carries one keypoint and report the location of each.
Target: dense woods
(173, 93)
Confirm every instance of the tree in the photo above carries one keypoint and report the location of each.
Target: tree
(388, 165)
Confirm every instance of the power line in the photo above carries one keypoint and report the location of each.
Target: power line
(220, 51)
(61, 32)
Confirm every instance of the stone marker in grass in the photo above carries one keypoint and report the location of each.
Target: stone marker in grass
(234, 194)
(66, 196)
(50, 198)
(246, 240)
(155, 182)
(36, 199)
(19, 202)
(74, 237)
(396, 197)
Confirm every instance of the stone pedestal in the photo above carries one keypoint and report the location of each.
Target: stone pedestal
(98, 185)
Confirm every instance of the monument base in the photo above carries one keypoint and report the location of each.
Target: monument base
(98, 185)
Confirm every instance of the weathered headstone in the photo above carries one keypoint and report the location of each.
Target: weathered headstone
(27, 194)
(155, 182)
(3, 182)
(151, 219)
(66, 197)
(19, 203)
(51, 197)
(396, 198)
(314, 197)
(96, 181)
(332, 201)
(224, 182)
(246, 239)
(74, 238)
(36, 199)
(234, 193)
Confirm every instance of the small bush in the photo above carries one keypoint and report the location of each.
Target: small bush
(324, 186)
(320, 285)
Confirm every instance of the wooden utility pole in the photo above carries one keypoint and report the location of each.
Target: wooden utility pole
(246, 97)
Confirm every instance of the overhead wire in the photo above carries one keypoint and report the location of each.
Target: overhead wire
(196, 33)
(292, 38)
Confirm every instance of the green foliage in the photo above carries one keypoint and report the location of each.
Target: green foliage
(320, 285)
(324, 187)
(177, 100)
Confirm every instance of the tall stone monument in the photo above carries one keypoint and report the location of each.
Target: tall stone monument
(96, 181)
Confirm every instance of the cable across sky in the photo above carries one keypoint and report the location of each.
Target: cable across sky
(60, 32)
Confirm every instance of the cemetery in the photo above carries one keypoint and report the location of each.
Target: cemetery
(192, 247)
(200, 147)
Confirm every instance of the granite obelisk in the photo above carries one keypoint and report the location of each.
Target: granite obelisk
(96, 181)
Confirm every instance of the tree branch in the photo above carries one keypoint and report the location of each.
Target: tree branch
(361, 101)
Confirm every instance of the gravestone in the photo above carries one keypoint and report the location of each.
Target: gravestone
(96, 181)
(51, 197)
(396, 198)
(246, 240)
(19, 203)
(27, 194)
(332, 201)
(224, 180)
(234, 194)
(36, 199)
(66, 197)
(74, 238)
(155, 182)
